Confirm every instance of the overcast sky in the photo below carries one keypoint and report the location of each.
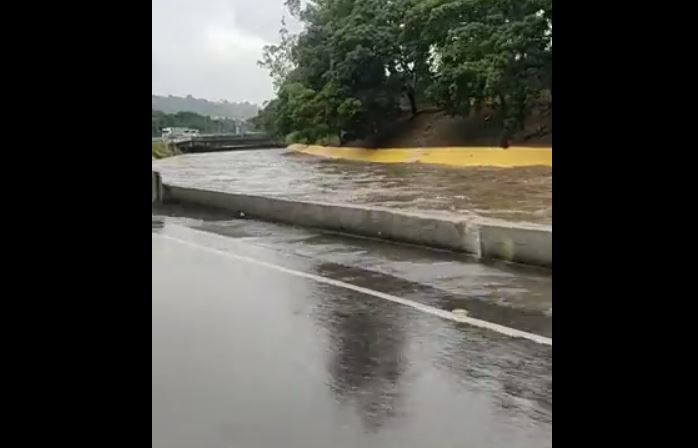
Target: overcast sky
(210, 48)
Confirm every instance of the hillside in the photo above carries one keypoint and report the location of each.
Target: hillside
(173, 104)
(435, 128)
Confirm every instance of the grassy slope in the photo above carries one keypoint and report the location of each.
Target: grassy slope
(160, 150)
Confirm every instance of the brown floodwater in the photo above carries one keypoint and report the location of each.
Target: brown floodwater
(512, 194)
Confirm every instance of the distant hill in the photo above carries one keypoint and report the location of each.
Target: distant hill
(173, 104)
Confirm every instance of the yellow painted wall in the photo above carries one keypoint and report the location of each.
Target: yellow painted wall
(457, 156)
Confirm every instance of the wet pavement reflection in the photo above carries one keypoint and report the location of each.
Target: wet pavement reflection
(244, 356)
(367, 359)
(512, 295)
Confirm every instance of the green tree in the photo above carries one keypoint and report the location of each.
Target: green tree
(496, 52)
(346, 74)
(278, 58)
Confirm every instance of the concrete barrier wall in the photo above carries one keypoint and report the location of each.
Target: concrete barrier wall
(507, 242)
(156, 189)
(521, 244)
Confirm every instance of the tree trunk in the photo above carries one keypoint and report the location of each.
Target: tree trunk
(413, 102)
(503, 105)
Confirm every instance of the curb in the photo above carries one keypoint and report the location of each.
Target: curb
(485, 239)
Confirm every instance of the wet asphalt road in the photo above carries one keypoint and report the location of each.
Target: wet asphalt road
(247, 356)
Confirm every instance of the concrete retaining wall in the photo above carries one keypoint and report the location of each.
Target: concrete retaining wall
(156, 190)
(454, 156)
(522, 244)
(529, 245)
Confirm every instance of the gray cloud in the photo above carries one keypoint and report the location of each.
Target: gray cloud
(210, 48)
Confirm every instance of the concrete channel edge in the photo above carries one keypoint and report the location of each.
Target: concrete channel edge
(449, 156)
(511, 242)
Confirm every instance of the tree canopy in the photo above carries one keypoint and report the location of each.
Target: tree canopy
(358, 63)
(193, 120)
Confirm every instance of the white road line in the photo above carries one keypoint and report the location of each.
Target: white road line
(381, 295)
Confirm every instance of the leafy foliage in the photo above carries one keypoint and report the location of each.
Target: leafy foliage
(358, 62)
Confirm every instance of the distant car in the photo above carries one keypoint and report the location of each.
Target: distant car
(179, 133)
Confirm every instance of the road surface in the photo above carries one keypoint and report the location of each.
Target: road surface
(269, 336)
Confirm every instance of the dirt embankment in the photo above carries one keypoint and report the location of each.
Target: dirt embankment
(431, 128)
